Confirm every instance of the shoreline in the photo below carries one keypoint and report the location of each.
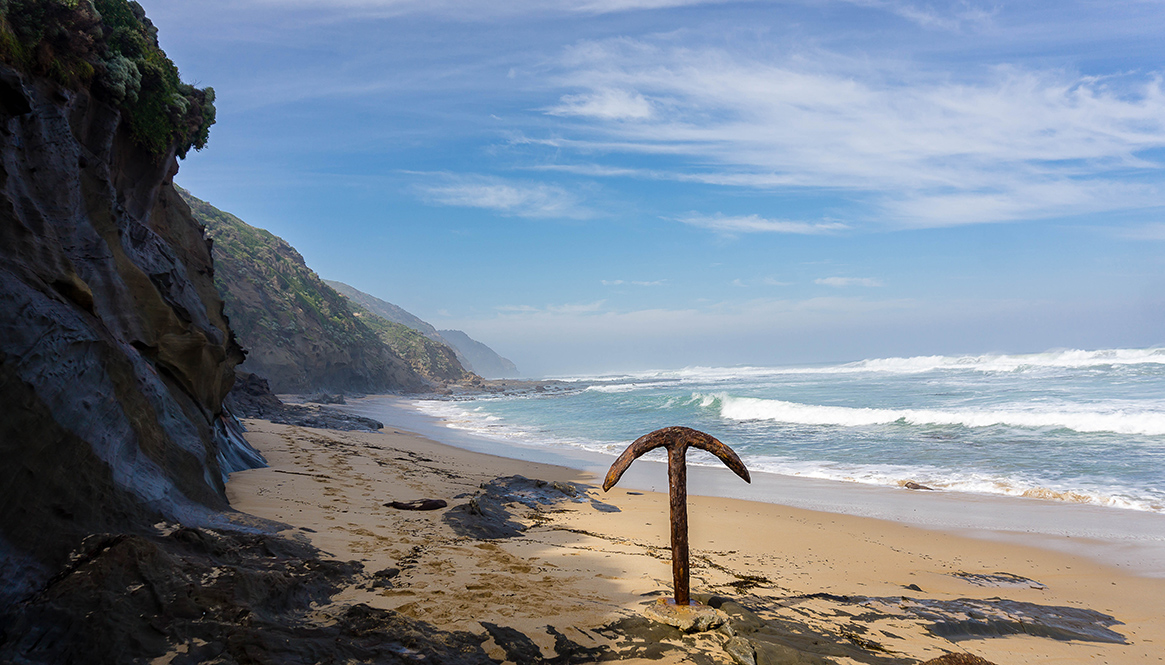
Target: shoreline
(583, 564)
(1129, 539)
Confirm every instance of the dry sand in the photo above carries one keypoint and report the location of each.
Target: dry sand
(579, 565)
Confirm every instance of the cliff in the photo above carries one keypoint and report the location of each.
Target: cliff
(471, 354)
(300, 334)
(484, 360)
(431, 359)
(115, 354)
(385, 309)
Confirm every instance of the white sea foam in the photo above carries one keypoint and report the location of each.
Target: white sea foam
(626, 387)
(1118, 421)
(469, 416)
(942, 479)
(986, 363)
(877, 421)
(474, 417)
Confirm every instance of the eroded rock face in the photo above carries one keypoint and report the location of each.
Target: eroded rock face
(114, 352)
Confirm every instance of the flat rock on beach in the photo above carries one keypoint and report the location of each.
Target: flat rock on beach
(544, 567)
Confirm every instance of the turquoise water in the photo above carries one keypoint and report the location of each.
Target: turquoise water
(1078, 426)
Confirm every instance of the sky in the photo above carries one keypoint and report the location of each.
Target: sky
(595, 186)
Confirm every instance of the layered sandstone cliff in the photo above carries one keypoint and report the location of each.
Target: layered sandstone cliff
(115, 355)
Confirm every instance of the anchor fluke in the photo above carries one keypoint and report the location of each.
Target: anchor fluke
(667, 437)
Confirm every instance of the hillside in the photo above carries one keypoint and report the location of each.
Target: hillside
(484, 360)
(472, 354)
(299, 334)
(431, 359)
(385, 309)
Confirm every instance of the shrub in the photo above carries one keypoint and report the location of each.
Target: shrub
(112, 48)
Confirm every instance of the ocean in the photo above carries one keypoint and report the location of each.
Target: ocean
(1084, 427)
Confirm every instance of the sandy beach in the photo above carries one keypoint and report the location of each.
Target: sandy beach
(571, 568)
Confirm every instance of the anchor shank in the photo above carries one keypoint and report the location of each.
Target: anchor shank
(677, 471)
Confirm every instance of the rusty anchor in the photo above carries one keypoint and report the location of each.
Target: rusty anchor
(676, 440)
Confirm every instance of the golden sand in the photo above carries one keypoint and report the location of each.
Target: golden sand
(577, 567)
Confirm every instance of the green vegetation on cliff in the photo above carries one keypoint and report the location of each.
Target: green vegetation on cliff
(300, 333)
(430, 359)
(110, 47)
(471, 354)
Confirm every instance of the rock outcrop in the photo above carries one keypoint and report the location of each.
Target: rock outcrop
(300, 334)
(115, 355)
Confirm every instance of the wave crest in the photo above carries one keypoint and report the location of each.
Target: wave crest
(752, 408)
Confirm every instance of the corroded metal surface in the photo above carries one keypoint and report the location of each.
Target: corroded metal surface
(677, 440)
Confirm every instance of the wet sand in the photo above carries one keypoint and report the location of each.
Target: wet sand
(881, 589)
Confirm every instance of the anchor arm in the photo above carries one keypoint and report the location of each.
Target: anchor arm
(666, 438)
(726, 454)
(657, 439)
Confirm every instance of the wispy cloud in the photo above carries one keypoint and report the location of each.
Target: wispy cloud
(841, 282)
(572, 322)
(1150, 231)
(472, 9)
(953, 16)
(756, 224)
(508, 197)
(566, 309)
(957, 16)
(921, 148)
(610, 104)
(620, 282)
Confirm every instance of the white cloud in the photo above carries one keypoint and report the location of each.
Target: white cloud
(619, 282)
(567, 309)
(516, 198)
(929, 17)
(757, 224)
(841, 282)
(573, 322)
(952, 18)
(581, 308)
(919, 148)
(1151, 231)
(605, 104)
(474, 9)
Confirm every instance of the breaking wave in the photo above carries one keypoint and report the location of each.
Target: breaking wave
(891, 475)
(1117, 421)
(986, 363)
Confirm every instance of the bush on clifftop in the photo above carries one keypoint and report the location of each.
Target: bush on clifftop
(110, 47)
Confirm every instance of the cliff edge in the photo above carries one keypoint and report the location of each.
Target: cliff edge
(115, 354)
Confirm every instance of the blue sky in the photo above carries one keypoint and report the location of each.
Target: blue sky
(600, 185)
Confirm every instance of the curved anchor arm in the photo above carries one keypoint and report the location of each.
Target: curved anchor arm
(672, 436)
(726, 454)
